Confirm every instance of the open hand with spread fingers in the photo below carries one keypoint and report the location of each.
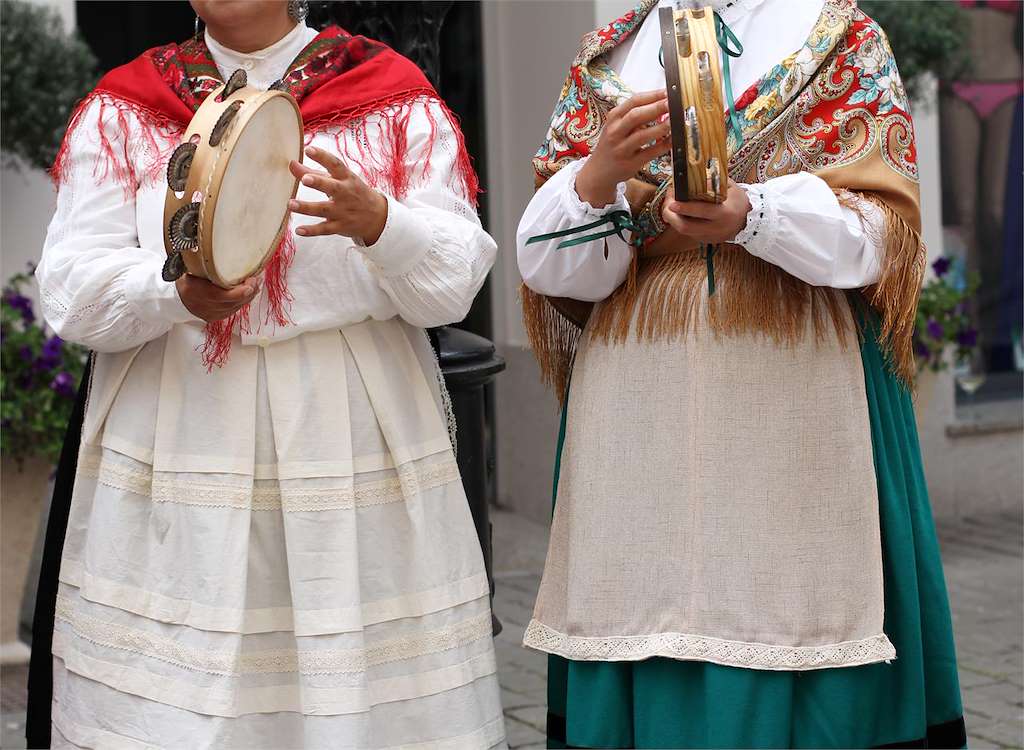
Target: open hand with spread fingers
(352, 209)
(709, 222)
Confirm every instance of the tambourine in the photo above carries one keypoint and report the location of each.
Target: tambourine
(228, 184)
(693, 78)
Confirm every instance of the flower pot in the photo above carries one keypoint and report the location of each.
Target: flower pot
(23, 495)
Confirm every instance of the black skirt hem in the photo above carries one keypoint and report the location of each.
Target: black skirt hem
(949, 735)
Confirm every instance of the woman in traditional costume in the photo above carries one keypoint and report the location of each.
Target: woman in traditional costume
(269, 545)
(742, 552)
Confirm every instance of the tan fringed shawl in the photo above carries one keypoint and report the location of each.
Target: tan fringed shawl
(837, 108)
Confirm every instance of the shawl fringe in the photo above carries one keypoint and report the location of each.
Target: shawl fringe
(158, 136)
(664, 298)
(385, 167)
(219, 335)
(895, 296)
(553, 338)
(669, 297)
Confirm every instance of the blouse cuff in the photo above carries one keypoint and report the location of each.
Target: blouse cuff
(762, 222)
(153, 300)
(577, 208)
(402, 244)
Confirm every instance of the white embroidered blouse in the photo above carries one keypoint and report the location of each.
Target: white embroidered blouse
(795, 221)
(99, 276)
(269, 554)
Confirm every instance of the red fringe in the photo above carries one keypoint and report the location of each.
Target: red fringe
(384, 166)
(159, 136)
(219, 335)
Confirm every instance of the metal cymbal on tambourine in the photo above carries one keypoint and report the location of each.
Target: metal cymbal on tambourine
(693, 77)
(228, 183)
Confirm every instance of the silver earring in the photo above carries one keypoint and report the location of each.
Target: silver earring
(298, 10)
(196, 32)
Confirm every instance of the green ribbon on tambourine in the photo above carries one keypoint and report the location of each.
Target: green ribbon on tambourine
(725, 37)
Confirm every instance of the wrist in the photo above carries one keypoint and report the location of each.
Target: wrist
(744, 211)
(377, 218)
(593, 188)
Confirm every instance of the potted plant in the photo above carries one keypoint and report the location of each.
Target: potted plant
(944, 333)
(39, 380)
(38, 383)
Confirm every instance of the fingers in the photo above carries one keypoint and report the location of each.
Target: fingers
(323, 209)
(319, 181)
(695, 209)
(241, 294)
(318, 230)
(659, 149)
(696, 228)
(211, 302)
(647, 137)
(641, 115)
(299, 169)
(637, 100)
(334, 166)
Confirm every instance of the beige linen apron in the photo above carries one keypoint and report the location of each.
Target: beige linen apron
(717, 502)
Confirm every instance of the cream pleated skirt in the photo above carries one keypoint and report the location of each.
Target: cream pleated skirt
(277, 554)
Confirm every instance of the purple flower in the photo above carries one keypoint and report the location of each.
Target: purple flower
(64, 384)
(967, 337)
(935, 329)
(25, 352)
(52, 352)
(21, 303)
(940, 266)
(921, 349)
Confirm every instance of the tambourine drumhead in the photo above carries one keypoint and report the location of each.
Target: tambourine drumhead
(229, 184)
(254, 191)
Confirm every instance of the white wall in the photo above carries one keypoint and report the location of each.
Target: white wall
(528, 45)
(926, 132)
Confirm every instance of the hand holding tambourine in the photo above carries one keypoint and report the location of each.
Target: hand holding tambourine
(706, 222)
(228, 187)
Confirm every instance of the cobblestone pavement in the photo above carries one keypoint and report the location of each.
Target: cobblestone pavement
(983, 560)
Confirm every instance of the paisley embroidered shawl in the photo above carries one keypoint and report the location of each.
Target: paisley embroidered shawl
(837, 108)
(338, 80)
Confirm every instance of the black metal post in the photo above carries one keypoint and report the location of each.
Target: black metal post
(469, 365)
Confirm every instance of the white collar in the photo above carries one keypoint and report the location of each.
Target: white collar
(262, 66)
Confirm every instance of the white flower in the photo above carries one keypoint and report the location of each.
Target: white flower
(872, 57)
(805, 61)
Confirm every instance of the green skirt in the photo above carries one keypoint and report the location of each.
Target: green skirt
(913, 701)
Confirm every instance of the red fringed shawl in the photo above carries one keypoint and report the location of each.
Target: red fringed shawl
(338, 80)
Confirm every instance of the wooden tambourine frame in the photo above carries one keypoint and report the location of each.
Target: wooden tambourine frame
(215, 130)
(693, 77)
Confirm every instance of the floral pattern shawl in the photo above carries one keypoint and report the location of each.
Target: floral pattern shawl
(837, 108)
